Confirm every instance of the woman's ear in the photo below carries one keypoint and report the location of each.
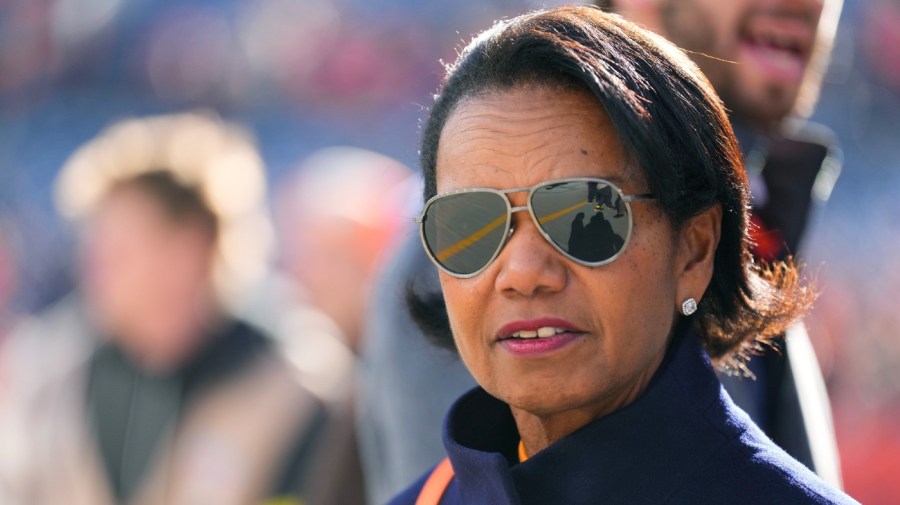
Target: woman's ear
(697, 243)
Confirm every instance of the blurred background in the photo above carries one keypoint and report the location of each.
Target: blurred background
(303, 75)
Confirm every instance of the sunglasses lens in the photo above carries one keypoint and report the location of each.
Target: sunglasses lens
(586, 219)
(463, 231)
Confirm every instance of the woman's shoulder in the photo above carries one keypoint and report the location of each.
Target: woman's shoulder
(409, 495)
(752, 469)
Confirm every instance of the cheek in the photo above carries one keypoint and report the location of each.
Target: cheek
(111, 266)
(645, 289)
(458, 305)
(467, 301)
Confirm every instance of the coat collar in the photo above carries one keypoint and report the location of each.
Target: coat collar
(662, 437)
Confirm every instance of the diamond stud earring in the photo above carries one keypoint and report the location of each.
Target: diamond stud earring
(689, 306)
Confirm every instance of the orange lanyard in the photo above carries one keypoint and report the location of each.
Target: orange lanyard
(440, 478)
(436, 484)
(522, 454)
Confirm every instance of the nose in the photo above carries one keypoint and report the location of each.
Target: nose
(528, 265)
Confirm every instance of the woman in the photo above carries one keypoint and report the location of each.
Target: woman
(594, 362)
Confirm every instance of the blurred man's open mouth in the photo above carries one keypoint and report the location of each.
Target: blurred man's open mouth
(778, 46)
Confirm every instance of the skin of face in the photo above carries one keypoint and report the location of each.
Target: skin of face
(330, 261)
(146, 278)
(758, 54)
(625, 310)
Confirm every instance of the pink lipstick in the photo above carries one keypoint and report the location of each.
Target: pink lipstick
(537, 336)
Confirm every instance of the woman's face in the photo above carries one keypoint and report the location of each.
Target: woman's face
(617, 317)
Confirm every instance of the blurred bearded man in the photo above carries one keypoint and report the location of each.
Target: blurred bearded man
(766, 60)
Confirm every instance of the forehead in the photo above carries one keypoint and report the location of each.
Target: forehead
(527, 135)
(129, 209)
(128, 201)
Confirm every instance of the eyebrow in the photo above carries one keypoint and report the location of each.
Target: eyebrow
(618, 179)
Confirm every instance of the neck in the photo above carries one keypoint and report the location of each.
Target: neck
(540, 430)
(162, 341)
(748, 129)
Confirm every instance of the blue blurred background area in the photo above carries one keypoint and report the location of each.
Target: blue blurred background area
(306, 74)
(855, 325)
(301, 75)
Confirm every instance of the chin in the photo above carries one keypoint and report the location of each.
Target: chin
(771, 106)
(762, 113)
(540, 407)
(542, 400)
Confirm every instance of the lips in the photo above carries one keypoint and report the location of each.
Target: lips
(791, 35)
(779, 45)
(537, 337)
(546, 327)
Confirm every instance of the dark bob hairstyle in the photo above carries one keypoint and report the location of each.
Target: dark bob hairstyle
(674, 130)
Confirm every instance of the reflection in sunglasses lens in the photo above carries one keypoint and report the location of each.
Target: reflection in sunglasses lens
(464, 231)
(587, 220)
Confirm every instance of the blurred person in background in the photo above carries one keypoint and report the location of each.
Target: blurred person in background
(767, 61)
(339, 215)
(336, 217)
(142, 387)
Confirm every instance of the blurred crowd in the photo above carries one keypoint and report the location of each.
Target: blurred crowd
(228, 318)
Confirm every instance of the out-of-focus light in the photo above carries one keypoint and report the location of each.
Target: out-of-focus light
(244, 249)
(76, 20)
(881, 41)
(235, 183)
(190, 54)
(360, 177)
(283, 39)
(7, 273)
(25, 45)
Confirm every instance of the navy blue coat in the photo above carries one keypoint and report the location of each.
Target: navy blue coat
(682, 441)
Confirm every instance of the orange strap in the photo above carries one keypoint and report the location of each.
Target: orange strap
(436, 484)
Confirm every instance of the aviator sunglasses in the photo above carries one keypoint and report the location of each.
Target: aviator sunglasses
(586, 219)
